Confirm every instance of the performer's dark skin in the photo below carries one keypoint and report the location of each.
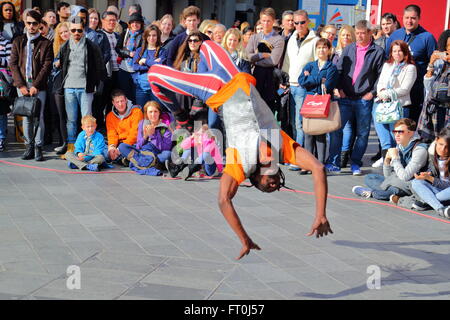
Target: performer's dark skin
(271, 183)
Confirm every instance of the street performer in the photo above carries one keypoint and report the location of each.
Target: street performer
(255, 141)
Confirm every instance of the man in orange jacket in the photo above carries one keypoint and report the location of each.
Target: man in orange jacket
(121, 125)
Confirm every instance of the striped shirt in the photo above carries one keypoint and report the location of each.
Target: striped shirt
(5, 52)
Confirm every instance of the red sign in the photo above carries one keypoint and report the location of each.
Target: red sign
(433, 16)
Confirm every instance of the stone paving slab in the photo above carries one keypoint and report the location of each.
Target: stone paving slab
(137, 237)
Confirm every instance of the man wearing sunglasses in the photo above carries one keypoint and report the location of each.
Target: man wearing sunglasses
(301, 49)
(82, 69)
(31, 62)
(400, 164)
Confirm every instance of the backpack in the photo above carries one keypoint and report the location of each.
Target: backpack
(442, 86)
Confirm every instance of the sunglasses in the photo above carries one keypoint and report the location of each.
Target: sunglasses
(34, 23)
(193, 40)
(398, 131)
(76, 30)
(299, 22)
(8, 10)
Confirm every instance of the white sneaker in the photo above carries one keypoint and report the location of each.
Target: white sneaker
(378, 163)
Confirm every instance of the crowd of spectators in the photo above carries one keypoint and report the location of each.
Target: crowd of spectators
(90, 70)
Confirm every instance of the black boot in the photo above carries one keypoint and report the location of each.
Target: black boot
(188, 172)
(174, 169)
(378, 155)
(384, 153)
(345, 156)
(62, 149)
(29, 152)
(38, 154)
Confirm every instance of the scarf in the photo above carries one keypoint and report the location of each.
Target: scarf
(30, 47)
(132, 43)
(397, 69)
(406, 152)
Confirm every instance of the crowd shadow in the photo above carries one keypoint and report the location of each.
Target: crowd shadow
(403, 248)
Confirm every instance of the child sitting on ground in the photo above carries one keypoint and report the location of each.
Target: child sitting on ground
(89, 147)
(202, 143)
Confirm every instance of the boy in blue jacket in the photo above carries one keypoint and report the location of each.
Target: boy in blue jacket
(89, 147)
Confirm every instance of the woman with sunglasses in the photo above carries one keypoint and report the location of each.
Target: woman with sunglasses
(12, 27)
(187, 60)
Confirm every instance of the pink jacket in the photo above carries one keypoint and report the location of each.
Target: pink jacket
(208, 145)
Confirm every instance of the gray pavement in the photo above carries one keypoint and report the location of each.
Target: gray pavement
(137, 237)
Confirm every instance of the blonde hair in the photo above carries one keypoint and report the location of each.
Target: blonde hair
(206, 26)
(244, 25)
(151, 104)
(239, 48)
(350, 30)
(88, 119)
(58, 42)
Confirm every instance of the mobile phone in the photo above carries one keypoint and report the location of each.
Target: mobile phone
(443, 55)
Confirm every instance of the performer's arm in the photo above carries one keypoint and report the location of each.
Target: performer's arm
(227, 191)
(307, 161)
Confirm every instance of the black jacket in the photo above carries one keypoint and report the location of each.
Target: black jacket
(96, 70)
(370, 72)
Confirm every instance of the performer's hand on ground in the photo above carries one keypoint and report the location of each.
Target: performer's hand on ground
(247, 247)
(320, 227)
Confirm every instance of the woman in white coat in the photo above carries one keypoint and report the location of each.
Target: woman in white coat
(397, 78)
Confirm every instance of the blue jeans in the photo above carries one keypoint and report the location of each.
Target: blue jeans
(144, 96)
(214, 121)
(3, 125)
(126, 83)
(362, 110)
(384, 132)
(348, 135)
(162, 156)
(374, 181)
(76, 100)
(298, 95)
(430, 194)
(204, 159)
(28, 126)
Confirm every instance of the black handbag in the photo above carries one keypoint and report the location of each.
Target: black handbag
(27, 107)
(7, 90)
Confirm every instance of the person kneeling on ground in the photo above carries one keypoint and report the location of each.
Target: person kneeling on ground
(401, 163)
(204, 144)
(89, 147)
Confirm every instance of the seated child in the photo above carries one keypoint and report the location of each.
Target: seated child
(202, 143)
(89, 147)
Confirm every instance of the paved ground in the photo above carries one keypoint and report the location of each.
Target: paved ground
(139, 237)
